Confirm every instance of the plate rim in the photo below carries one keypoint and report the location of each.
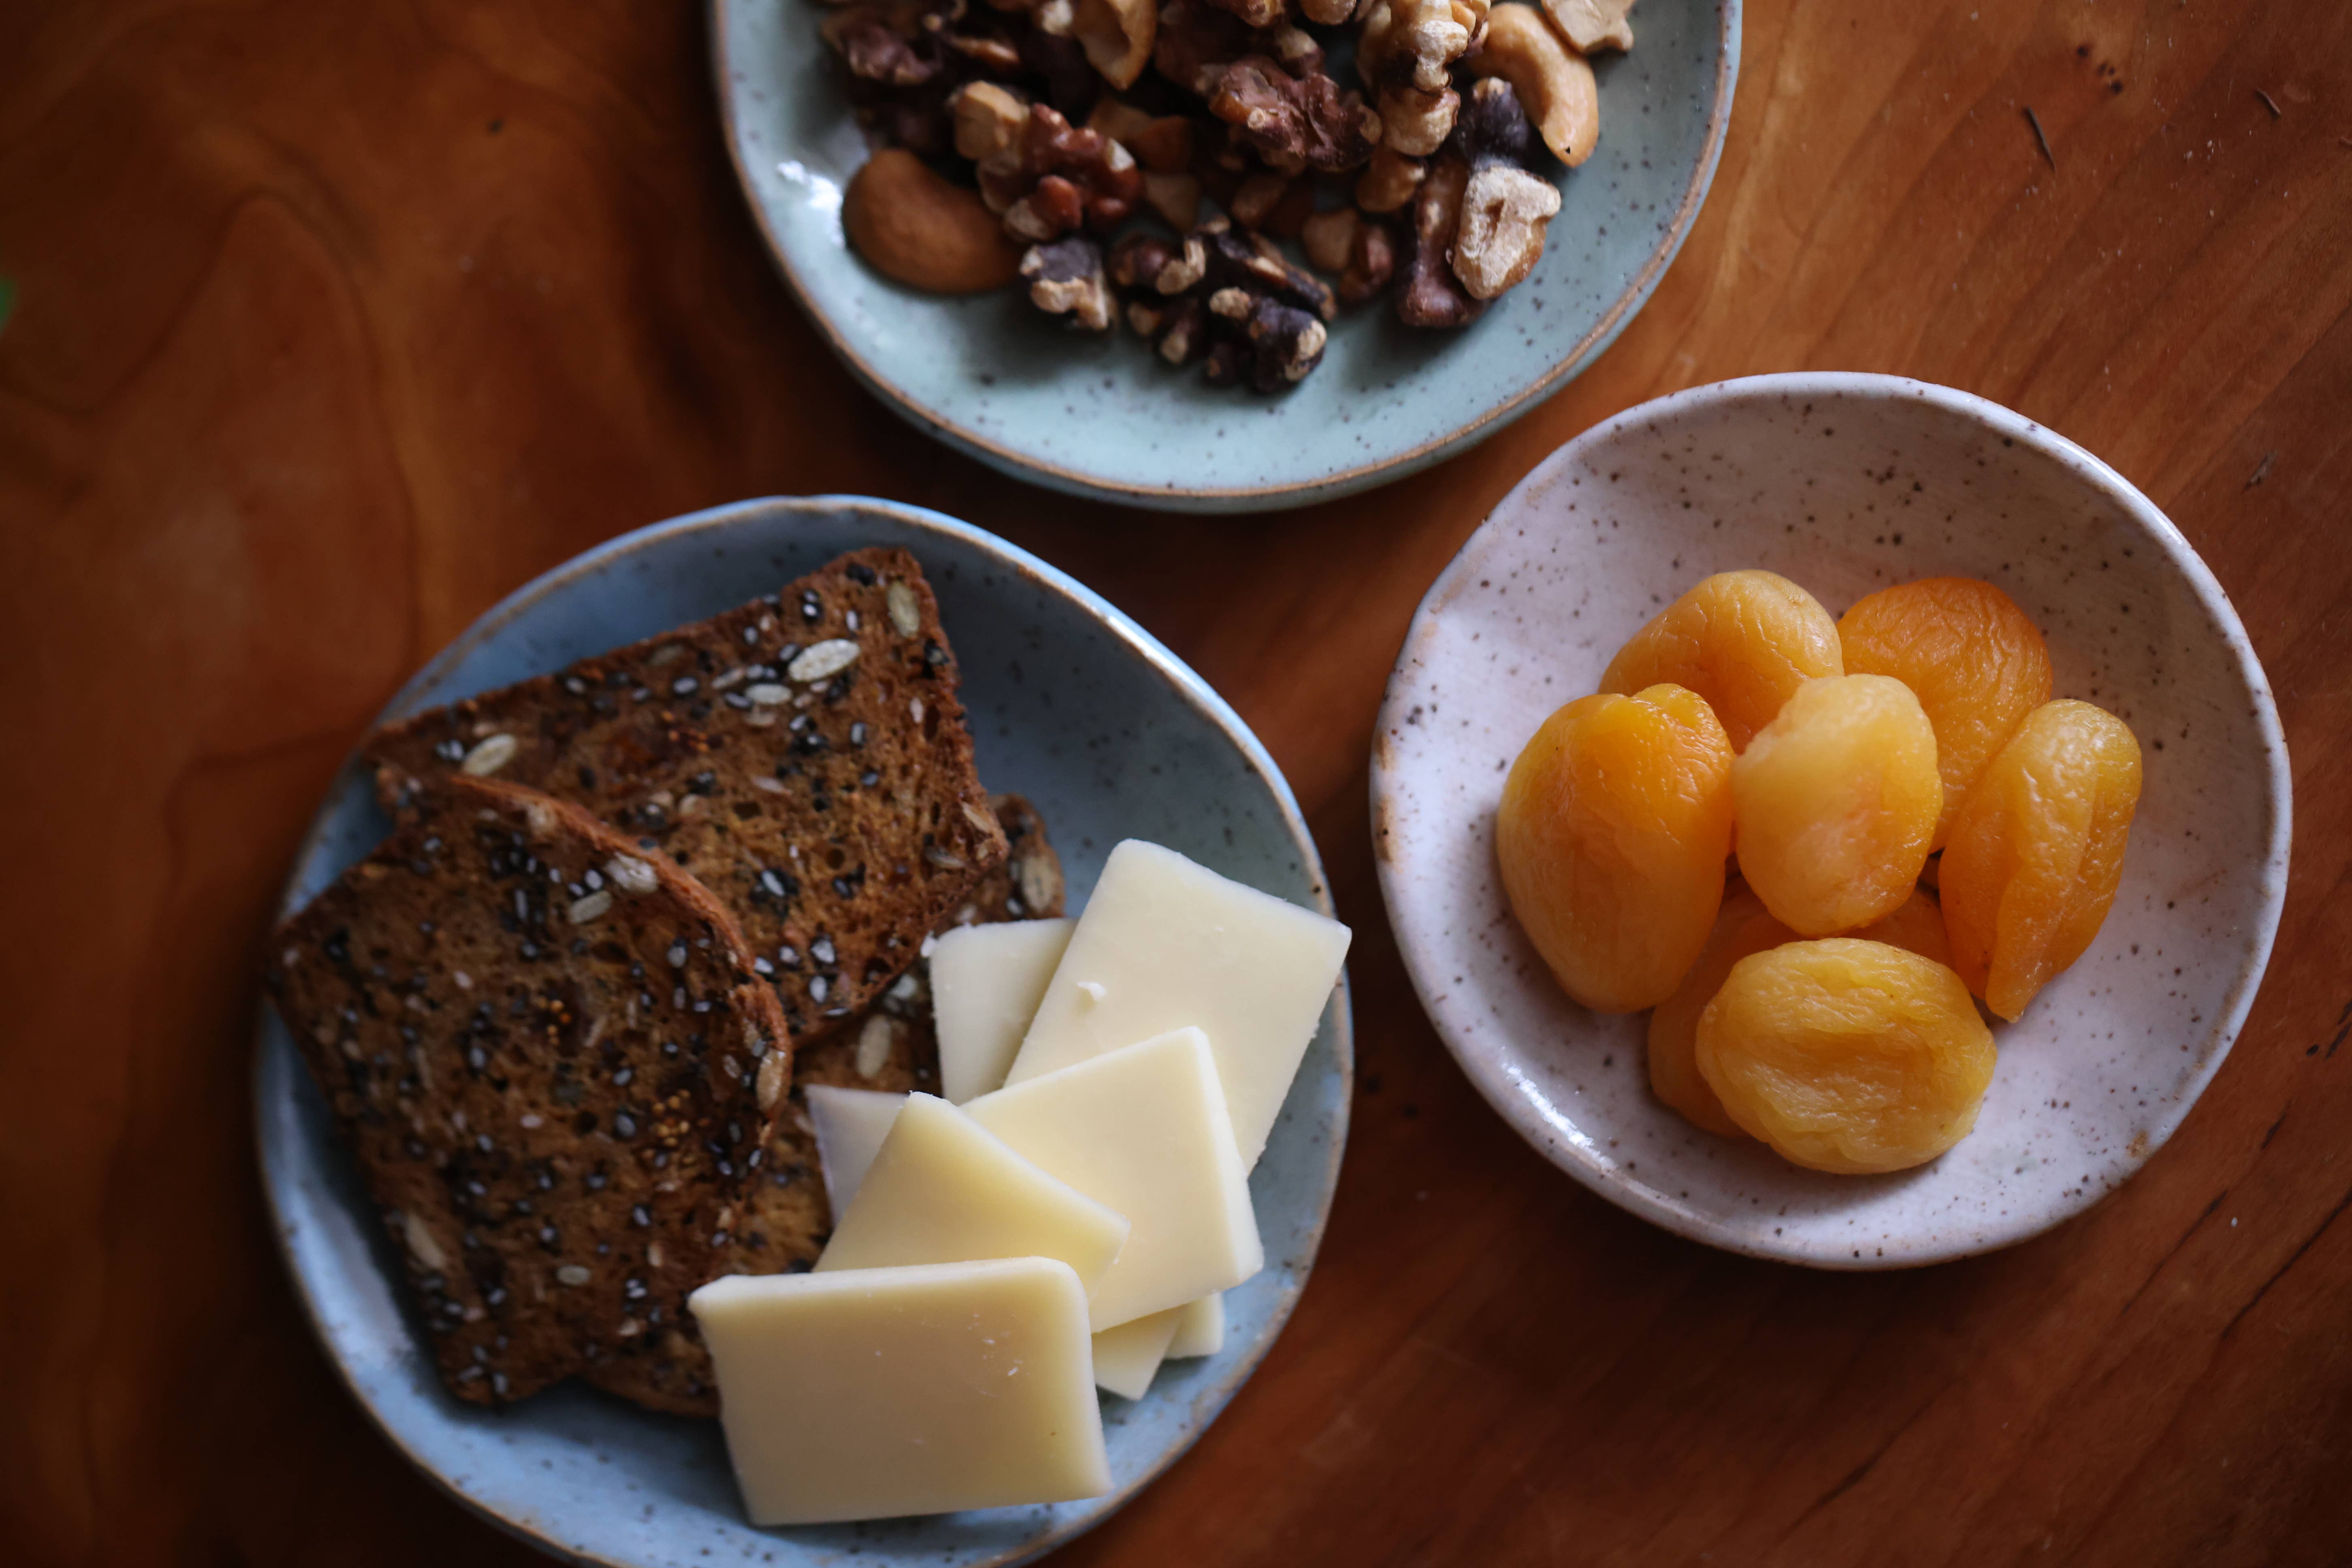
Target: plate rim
(1493, 1083)
(1241, 498)
(1185, 682)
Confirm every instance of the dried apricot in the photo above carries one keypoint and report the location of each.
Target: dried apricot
(1915, 926)
(1612, 837)
(2037, 851)
(1745, 926)
(1977, 664)
(1846, 1055)
(1836, 799)
(1743, 640)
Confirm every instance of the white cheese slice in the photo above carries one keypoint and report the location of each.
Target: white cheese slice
(1164, 943)
(1144, 1131)
(1200, 1331)
(1127, 1357)
(850, 1124)
(986, 981)
(943, 1189)
(877, 1393)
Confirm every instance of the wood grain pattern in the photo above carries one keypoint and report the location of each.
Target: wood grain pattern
(334, 323)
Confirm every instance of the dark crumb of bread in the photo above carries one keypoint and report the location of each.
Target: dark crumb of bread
(805, 755)
(548, 1052)
(785, 1221)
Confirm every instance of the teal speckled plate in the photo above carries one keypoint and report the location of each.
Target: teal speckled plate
(1099, 415)
(1073, 705)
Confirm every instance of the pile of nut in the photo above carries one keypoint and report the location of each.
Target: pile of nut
(1145, 162)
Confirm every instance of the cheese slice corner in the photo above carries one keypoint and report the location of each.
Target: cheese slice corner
(1200, 1331)
(941, 1386)
(1165, 942)
(1128, 1356)
(849, 1124)
(1145, 1131)
(945, 1189)
(986, 982)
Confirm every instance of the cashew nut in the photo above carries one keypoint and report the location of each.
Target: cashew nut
(1554, 85)
(1593, 24)
(915, 227)
(1117, 36)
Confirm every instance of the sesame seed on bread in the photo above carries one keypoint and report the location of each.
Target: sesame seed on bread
(803, 755)
(549, 1054)
(784, 1220)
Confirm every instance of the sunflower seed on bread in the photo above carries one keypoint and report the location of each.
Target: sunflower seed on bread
(803, 755)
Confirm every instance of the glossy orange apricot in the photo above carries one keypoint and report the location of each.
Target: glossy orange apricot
(1745, 926)
(1743, 640)
(1611, 838)
(1915, 926)
(1846, 1055)
(1836, 799)
(1975, 660)
(2037, 851)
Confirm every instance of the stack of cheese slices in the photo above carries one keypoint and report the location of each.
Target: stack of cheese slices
(1067, 1214)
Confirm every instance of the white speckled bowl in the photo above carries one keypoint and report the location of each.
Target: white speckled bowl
(1844, 483)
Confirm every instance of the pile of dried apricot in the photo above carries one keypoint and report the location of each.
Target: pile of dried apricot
(1822, 769)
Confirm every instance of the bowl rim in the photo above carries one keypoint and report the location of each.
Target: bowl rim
(1184, 683)
(1008, 459)
(1497, 1082)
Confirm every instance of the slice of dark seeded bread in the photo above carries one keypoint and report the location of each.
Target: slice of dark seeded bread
(550, 1056)
(784, 1221)
(803, 755)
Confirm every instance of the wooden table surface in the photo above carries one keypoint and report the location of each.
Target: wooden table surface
(333, 324)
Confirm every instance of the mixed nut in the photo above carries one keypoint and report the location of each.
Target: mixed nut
(1140, 162)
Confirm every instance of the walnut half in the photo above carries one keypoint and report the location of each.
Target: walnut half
(1066, 278)
(1430, 295)
(1294, 122)
(1500, 238)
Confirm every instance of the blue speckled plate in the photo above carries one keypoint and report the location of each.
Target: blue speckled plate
(1073, 705)
(1098, 414)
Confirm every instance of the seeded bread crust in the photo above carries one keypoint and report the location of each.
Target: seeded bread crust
(549, 1054)
(785, 1219)
(803, 755)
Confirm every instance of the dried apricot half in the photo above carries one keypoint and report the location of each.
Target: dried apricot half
(1611, 835)
(1975, 662)
(2037, 851)
(1745, 926)
(1743, 640)
(1846, 1055)
(1836, 800)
